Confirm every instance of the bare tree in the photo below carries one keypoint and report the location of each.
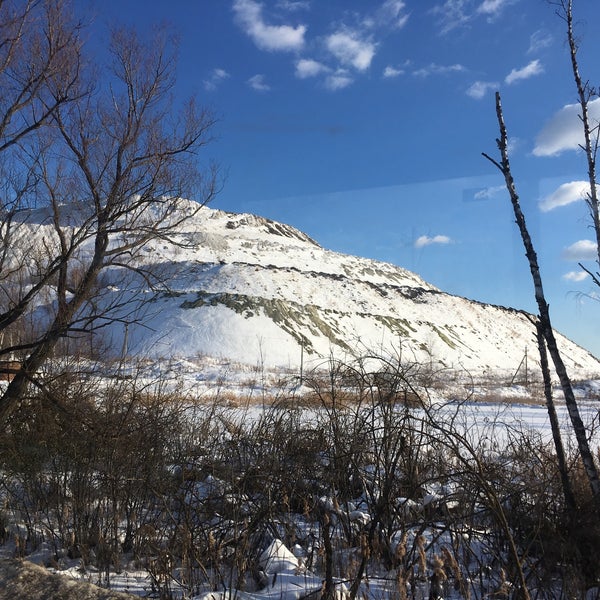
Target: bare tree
(561, 457)
(40, 53)
(545, 323)
(106, 159)
(40, 59)
(591, 130)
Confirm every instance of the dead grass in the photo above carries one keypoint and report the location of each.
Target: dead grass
(23, 580)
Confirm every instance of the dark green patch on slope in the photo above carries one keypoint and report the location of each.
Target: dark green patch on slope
(290, 316)
(399, 327)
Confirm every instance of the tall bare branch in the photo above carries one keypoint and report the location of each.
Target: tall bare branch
(545, 324)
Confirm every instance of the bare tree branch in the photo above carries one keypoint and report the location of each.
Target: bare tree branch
(545, 324)
(109, 163)
(591, 131)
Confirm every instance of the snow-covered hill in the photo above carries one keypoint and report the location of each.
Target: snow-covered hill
(254, 291)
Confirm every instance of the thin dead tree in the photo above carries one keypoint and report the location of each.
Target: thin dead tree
(561, 458)
(107, 169)
(591, 130)
(545, 324)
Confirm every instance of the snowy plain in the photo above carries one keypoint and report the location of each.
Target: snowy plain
(489, 415)
(254, 309)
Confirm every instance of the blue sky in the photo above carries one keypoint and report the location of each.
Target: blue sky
(362, 123)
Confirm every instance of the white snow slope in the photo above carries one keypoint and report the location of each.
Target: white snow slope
(253, 291)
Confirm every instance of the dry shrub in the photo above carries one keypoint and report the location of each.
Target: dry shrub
(243, 477)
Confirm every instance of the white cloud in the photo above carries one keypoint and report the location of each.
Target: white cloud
(249, 16)
(451, 14)
(539, 40)
(513, 144)
(575, 276)
(351, 47)
(392, 12)
(435, 69)
(564, 130)
(489, 192)
(306, 68)
(390, 72)
(480, 88)
(457, 13)
(216, 77)
(492, 8)
(530, 70)
(220, 73)
(565, 194)
(258, 83)
(581, 250)
(348, 47)
(338, 80)
(293, 5)
(425, 240)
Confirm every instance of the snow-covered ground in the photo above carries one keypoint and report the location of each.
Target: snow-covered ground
(256, 314)
(286, 576)
(250, 290)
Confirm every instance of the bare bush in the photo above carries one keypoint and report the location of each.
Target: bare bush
(414, 499)
(87, 471)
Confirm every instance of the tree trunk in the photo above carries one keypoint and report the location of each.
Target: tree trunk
(558, 445)
(590, 146)
(328, 592)
(545, 324)
(60, 326)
